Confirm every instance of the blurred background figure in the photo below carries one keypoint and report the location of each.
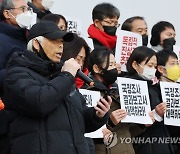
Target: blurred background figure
(58, 19)
(41, 7)
(138, 25)
(15, 18)
(163, 36)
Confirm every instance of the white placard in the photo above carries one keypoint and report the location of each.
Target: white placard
(96, 134)
(126, 42)
(74, 25)
(92, 97)
(171, 95)
(134, 98)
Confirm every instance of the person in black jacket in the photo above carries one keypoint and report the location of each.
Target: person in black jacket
(48, 114)
(12, 39)
(141, 65)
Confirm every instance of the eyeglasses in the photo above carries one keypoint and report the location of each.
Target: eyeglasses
(23, 8)
(112, 23)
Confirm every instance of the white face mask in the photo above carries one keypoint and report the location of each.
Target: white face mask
(149, 73)
(24, 20)
(47, 4)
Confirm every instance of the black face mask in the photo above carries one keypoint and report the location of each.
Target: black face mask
(42, 54)
(168, 43)
(110, 76)
(110, 30)
(144, 40)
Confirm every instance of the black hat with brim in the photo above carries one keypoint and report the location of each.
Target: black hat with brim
(49, 30)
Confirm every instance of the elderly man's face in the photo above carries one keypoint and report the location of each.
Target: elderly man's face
(53, 49)
(20, 6)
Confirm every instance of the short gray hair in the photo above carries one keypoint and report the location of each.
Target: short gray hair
(5, 5)
(30, 43)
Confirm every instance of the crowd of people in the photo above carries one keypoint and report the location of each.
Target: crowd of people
(41, 108)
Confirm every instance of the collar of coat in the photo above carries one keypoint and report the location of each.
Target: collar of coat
(30, 60)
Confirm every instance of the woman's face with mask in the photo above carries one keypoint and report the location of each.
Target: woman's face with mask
(146, 69)
(171, 69)
(108, 76)
(166, 34)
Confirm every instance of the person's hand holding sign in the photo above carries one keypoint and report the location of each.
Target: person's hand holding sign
(117, 115)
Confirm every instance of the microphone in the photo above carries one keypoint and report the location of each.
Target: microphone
(85, 78)
(82, 76)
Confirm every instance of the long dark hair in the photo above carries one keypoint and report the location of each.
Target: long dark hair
(71, 49)
(99, 56)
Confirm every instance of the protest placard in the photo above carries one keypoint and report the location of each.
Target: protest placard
(74, 25)
(126, 42)
(171, 95)
(134, 98)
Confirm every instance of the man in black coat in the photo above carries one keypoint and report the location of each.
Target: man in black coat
(12, 39)
(49, 115)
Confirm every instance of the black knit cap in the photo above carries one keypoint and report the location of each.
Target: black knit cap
(49, 30)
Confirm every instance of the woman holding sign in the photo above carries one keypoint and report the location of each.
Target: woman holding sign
(104, 73)
(141, 65)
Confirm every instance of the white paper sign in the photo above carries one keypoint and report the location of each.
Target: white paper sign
(171, 95)
(176, 49)
(134, 98)
(74, 25)
(96, 134)
(126, 42)
(92, 97)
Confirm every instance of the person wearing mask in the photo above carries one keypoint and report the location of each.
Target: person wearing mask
(141, 65)
(138, 25)
(41, 7)
(163, 36)
(105, 23)
(15, 18)
(49, 114)
(58, 19)
(168, 70)
(79, 50)
(102, 67)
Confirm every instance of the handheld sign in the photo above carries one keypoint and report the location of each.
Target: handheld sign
(171, 95)
(126, 43)
(92, 97)
(134, 98)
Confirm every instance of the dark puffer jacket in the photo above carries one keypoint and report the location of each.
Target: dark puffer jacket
(48, 114)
